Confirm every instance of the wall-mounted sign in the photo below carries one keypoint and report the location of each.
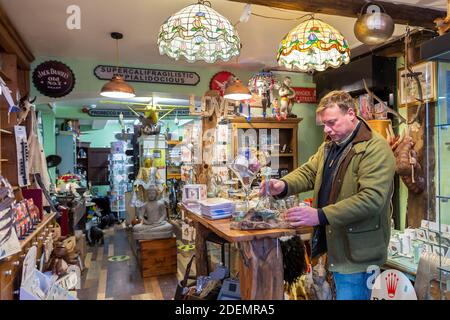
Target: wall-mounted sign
(305, 95)
(110, 113)
(114, 113)
(53, 79)
(186, 78)
(219, 80)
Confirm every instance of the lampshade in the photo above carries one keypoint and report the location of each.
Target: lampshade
(237, 91)
(117, 88)
(313, 45)
(198, 32)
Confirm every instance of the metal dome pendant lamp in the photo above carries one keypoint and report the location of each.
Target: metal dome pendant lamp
(197, 32)
(117, 87)
(313, 46)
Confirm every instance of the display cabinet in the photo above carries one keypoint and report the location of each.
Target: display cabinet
(173, 159)
(82, 158)
(66, 148)
(154, 146)
(119, 166)
(437, 86)
(278, 137)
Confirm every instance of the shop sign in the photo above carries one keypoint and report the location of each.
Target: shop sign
(305, 95)
(219, 81)
(186, 78)
(110, 113)
(53, 79)
(393, 285)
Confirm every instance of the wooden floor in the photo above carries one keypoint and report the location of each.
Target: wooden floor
(121, 280)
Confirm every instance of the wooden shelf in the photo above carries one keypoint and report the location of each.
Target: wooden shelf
(174, 176)
(282, 155)
(4, 76)
(3, 160)
(39, 228)
(173, 142)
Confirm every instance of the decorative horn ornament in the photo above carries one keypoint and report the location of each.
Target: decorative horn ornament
(373, 26)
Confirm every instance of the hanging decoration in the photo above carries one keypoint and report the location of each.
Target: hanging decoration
(198, 32)
(263, 83)
(373, 25)
(313, 45)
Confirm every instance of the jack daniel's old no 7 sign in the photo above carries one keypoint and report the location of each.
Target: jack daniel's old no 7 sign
(103, 72)
(53, 79)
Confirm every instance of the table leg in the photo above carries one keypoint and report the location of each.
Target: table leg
(261, 270)
(201, 255)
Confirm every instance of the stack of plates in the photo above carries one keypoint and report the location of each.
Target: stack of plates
(216, 208)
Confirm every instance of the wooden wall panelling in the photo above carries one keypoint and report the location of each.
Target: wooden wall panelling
(8, 150)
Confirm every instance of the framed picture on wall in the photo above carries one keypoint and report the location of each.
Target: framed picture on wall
(408, 92)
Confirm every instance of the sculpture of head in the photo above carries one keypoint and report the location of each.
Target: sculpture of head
(152, 193)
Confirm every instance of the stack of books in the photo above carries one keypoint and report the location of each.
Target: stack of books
(216, 208)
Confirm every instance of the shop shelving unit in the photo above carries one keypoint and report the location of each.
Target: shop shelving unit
(271, 134)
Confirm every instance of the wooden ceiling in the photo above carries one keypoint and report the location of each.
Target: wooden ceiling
(400, 13)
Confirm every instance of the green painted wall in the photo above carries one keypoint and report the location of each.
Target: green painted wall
(88, 86)
(49, 138)
(101, 138)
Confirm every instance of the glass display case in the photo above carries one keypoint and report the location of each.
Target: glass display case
(119, 166)
(437, 51)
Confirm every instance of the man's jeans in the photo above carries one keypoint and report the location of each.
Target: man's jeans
(352, 286)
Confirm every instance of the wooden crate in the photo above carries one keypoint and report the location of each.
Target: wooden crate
(157, 257)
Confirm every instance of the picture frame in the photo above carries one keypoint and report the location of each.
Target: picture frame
(439, 250)
(433, 237)
(427, 79)
(422, 234)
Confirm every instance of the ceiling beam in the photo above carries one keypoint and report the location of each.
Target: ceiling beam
(11, 42)
(400, 13)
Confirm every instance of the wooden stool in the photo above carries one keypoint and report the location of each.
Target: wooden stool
(157, 257)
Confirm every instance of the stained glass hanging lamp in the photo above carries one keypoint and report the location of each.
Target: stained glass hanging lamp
(313, 45)
(198, 32)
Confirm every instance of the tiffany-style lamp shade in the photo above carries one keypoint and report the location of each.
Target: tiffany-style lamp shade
(313, 45)
(198, 32)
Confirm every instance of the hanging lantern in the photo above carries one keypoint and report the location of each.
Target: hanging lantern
(313, 45)
(198, 32)
(373, 26)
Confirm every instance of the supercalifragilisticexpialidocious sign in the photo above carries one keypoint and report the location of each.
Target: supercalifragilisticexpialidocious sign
(187, 78)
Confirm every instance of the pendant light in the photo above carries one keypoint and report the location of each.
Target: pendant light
(117, 87)
(197, 32)
(313, 45)
(237, 91)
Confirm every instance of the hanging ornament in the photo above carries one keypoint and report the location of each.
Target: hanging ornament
(373, 25)
(313, 45)
(198, 32)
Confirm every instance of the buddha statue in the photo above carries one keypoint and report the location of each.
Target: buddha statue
(153, 215)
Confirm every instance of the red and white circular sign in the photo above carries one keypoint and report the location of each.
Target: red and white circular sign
(393, 285)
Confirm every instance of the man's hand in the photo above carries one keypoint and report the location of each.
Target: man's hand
(303, 216)
(275, 187)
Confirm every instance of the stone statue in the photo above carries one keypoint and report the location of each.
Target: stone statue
(150, 208)
(153, 215)
(287, 95)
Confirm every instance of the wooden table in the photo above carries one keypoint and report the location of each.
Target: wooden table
(261, 261)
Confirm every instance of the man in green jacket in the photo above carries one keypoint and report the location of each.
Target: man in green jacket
(352, 178)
